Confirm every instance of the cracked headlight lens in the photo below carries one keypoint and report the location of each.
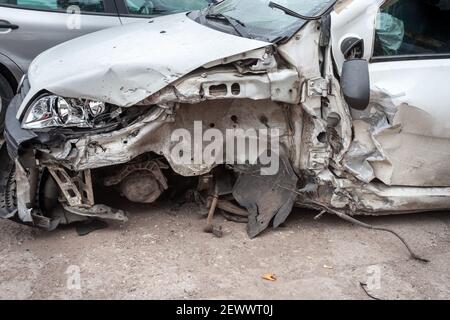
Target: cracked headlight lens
(54, 111)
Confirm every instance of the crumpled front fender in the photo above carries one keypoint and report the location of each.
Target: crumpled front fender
(126, 64)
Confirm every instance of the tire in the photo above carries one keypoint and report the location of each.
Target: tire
(6, 94)
(8, 203)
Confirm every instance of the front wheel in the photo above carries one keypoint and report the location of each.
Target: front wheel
(6, 94)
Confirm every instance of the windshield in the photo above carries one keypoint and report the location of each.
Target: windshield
(265, 23)
(157, 7)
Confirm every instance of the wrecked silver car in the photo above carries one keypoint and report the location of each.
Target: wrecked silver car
(337, 106)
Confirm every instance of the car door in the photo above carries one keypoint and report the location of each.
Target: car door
(29, 27)
(138, 10)
(407, 44)
(410, 72)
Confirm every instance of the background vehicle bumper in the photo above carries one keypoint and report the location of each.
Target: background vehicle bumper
(14, 135)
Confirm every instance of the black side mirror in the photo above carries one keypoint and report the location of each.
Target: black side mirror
(355, 83)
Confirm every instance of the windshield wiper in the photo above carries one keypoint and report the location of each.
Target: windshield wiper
(235, 23)
(292, 13)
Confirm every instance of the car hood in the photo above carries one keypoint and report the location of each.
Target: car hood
(126, 64)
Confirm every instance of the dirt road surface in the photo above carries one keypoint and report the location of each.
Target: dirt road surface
(162, 253)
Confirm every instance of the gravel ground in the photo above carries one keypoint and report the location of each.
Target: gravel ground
(162, 253)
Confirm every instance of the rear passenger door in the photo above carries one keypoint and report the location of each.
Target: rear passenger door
(29, 27)
(139, 10)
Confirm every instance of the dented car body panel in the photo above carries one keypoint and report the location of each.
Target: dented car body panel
(192, 87)
(113, 73)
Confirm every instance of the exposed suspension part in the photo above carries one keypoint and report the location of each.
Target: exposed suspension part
(142, 182)
(76, 189)
(79, 195)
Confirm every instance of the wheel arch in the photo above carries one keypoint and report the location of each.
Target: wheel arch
(10, 71)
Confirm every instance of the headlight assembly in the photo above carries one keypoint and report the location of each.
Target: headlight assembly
(51, 111)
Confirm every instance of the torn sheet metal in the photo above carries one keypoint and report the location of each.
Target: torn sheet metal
(98, 211)
(280, 85)
(169, 48)
(361, 151)
(399, 145)
(25, 194)
(124, 145)
(364, 149)
(186, 76)
(268, 199)
(417, 150)
(379, 199)
(326, 191)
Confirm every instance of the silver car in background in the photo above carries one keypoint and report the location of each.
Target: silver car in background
(29, 27)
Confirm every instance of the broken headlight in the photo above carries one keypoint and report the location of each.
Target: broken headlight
(51, 111)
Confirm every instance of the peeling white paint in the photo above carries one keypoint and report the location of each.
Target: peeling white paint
(125, 65)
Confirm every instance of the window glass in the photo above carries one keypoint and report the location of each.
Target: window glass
(160, 7)
(413, 27)
(262, 22)
(257, 13)
(58, 5)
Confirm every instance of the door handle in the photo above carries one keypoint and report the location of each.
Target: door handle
(7, 25)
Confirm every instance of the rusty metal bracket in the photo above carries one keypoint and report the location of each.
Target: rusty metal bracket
(318, 87)
(98, 211)
(77, 190)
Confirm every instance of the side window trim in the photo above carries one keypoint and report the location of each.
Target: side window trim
(110, 9)
(411, 57)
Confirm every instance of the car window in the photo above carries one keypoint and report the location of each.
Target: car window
(160, 7)
(58, 5)
(413, 27)
(256, 19)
